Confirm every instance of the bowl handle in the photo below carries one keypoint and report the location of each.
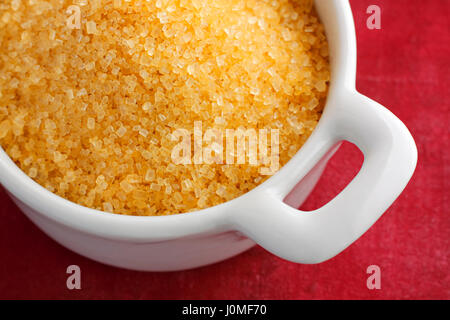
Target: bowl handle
(390, 157)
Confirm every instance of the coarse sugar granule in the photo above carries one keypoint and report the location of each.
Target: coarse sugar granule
(89, 113)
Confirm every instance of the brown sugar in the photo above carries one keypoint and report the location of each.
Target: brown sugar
(89, 113)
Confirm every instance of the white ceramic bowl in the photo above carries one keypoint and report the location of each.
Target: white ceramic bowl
(260, 216)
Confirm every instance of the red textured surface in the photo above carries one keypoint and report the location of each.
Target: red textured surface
(404, 66)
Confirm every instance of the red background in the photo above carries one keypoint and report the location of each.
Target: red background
(404, 66)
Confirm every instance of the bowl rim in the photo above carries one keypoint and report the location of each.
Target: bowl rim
(30, 194)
